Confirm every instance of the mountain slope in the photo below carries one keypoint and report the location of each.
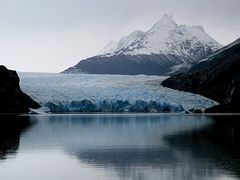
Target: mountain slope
(217, 77)
(124, 42)
(156, 51)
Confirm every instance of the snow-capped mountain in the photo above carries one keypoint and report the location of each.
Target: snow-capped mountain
(156, 51)
(165, 37)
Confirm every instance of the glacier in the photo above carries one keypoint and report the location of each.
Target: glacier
(107, 93)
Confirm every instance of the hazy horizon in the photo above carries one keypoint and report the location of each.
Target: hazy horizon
(51, 35)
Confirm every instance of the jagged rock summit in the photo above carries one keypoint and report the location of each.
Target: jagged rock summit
(158, 51)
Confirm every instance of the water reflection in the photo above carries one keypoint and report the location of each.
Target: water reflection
(129, 147)
(217, 144)
(11, 128)
(73, 132)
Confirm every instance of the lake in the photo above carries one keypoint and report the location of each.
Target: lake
(119, 146)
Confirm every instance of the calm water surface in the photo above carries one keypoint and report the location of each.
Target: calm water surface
(121, 147)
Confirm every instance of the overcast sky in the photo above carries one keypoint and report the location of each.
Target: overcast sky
(51, 35)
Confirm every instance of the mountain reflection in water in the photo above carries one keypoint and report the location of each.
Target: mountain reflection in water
(218, 144)
(122, 147)
(11, 128)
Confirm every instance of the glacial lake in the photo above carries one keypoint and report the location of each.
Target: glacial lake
(119, 146)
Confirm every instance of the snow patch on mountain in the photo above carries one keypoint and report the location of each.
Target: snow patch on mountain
(124, 42)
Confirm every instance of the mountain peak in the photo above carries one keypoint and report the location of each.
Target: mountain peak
(166, 20)
(167, 17)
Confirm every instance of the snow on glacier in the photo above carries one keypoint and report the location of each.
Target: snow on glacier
(107, 93)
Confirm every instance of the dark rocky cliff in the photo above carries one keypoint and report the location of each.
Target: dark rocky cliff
(12, 99)
(217, 77)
